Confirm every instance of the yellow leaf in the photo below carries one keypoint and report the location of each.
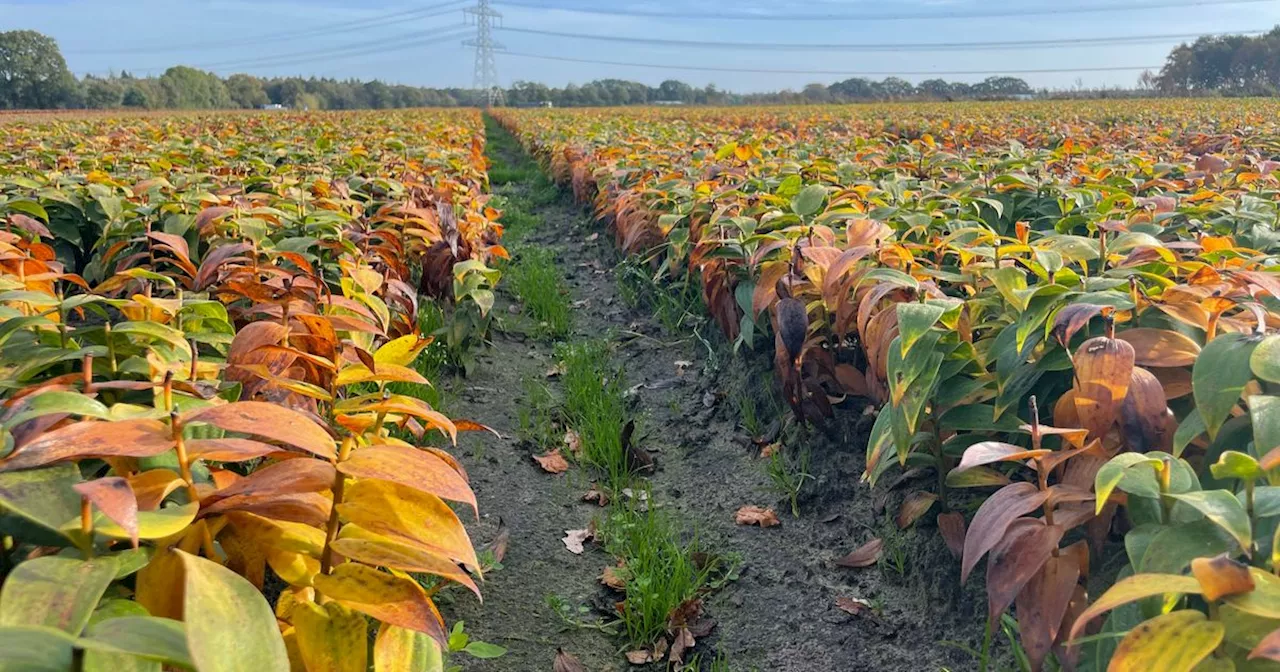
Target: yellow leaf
(1174, 642)
(402, 351)
(387, 373)
(408, 515)
(390, 599)
(331, 638)
(401, 650)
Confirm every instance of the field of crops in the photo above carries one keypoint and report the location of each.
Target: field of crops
(237, 352)
(212, 362)
(1067, 312)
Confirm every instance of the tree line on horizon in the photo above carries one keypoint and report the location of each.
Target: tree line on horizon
(34, 75)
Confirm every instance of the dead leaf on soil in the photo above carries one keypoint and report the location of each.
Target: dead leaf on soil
(683, 642)
(612, 578)
(853, 605)
(553, 462)
(914, 506)
(498, 547)
(769, 450)
(573, 442)
(952, 527)
(595, 494)
(645, 656)
(567, 662)
(574, 539)
(556, 370)
(682, 365)
(637, 459)
(754, 515)
(868, 554)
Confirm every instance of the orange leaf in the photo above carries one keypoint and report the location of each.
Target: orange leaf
(1221, 576)
(122, 438)
(417, 469)
(754, 515)
(408, 515)
(391, 599)
(553, 462)
(115, 499)
(269, 421)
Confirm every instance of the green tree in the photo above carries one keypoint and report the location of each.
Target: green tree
(33, 73)
(190, 89)
(102, 94)
(246, 91)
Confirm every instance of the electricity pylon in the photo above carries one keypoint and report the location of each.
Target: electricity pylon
(486, 73)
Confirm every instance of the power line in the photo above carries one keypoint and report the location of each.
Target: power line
(868, 16)
(316, 31)
(872, 47)
(841, 73)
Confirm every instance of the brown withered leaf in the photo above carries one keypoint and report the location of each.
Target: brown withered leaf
(853, 605)
(914, 506)
(682, 642)
(612, 578)
(994, 517)
(645, 656)
(1026, 546)
(769, 450)
(1103, 367)
(114, 497)
(1073, 318)
(866, 555)
(567, 662)
(595, 494)
(1221, 576)
(1043, 602)
(951, 525)
(498, 547)
(573, 442)
(637, 458)
(553, 462)
(1144, 414)
(754, 515)
(574, 540)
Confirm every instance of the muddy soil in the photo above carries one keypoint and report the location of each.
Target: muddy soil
(781, 614)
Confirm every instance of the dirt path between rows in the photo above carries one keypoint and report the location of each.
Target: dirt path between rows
(781, 615)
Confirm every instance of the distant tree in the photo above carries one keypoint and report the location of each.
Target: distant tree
(895, 88)
(191, 89)
(102, 94)
(33, 73)
(816, 93)
(938, 89)
(246, 91)
(672, 89)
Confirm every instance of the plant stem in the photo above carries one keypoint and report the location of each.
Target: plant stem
(331, 530)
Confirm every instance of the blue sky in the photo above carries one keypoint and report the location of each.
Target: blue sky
(397, 41)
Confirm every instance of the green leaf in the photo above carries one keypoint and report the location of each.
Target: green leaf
(235, 628)
(485, 650)
(1174, 547)
(1234, 464)
(1011, 282)
(1188, 430)
(43, 496)
(55, 592)
(29, 208)
(1219, 376)
(159, 639)
(1121, 471)
(1225, 510)
(914, 320)
(35, 649)
(48, 403)
(809, 201)
(1264, 413)
(1265, 361)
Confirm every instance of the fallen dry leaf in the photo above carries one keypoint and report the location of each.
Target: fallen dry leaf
(595, 494)
(754, 515)
(567, 662)
(573, 442)
(611, 577)
(556, 370)
(683, 642)
(853, 605)
(914, 506)
(643, 656)
(769, 450)
(574, 539)
(952, 527)
(499, 544)
(553, 462)
(867, 554)
(682, 365)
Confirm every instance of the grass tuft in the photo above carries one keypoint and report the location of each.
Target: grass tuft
(595, 406)
(536, 280)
